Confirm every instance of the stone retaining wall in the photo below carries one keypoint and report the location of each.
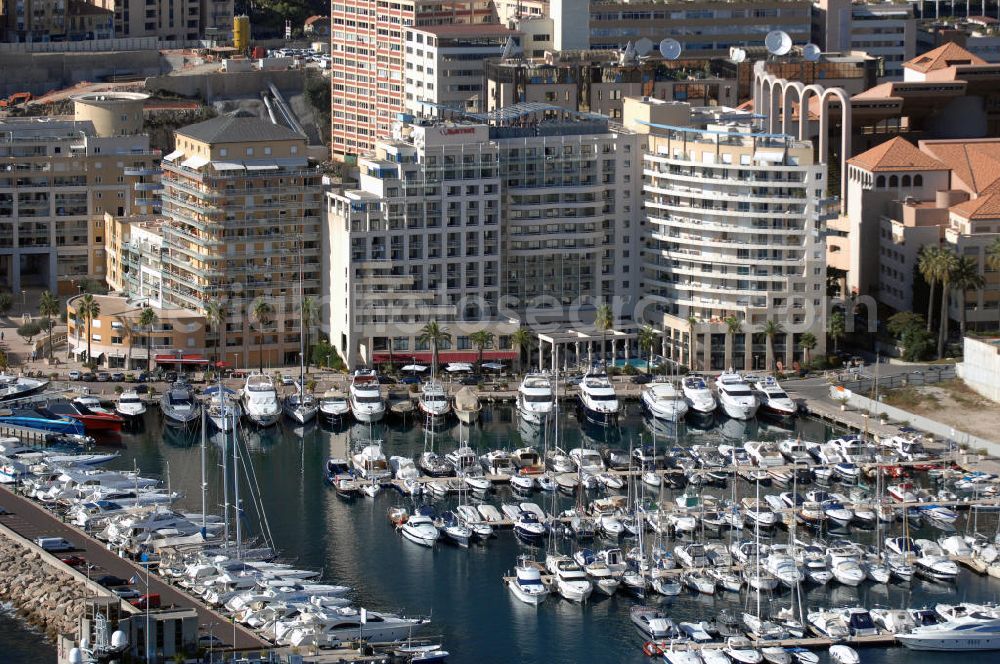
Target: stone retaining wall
(45, 595)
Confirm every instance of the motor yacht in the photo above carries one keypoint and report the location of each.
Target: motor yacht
(179, 406)
(698, 395)
(370, 462)
(663, 402)
(773, 399)
(365, 397)
(467, 406)
(977, 632)
(570, 579)
(535, 398)
(433, 400)
(130, 406)
(333, 405)
(526, 584)
(420, 529)
(653, 623)
(597, 399)
(16, 387)
(735, 396)
(260, 400)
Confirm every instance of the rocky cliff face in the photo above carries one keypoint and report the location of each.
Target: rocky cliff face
(44, 595)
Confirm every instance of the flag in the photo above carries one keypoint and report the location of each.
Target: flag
(364, 616)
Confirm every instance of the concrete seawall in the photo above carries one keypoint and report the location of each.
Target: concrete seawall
(45, 592)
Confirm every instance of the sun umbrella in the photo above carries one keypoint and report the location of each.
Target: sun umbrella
(493, 366)
(459, 366)
(414, 367)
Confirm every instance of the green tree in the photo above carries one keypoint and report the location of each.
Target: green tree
(900, 323)
(310, 313)
(481, 339)
(88, 308)
(807, 342)
(4, 362)
(215, 316)
(993, 257)
(87, 285)
(6, 302)
(126, 332)
(261, 313)
(929, 264)
(604, 319)
(771, 329)
(521, 341)
(29, 331)
(435, 335)
(836, 328)
(948, 267)
(48, 308)
(147, 319)
(733, 327)
(647, 340)
(966, 277)
(909, 328)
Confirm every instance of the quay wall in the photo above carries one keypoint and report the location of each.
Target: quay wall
(39, 73)
(212, 86)
(44, 591)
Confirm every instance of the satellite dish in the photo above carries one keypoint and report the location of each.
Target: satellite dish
(119, 640)
(643, 46)
(778, 42)
(670, 49)
(811, 52)
(508, 49)
(737, 54)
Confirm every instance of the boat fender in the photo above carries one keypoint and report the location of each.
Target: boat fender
(652, 649)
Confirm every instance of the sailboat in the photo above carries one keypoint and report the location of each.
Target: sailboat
(301, 406)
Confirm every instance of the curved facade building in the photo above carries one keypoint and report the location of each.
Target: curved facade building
(734, 223)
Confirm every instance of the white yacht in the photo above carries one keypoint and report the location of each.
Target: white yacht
(300, 406)
(588, 462)
(223, 408)
(15, 387)
(260, 400)
(697, 394)
(526, 584)
(535, 398)
(773, 398)
(467, 405)
(736, 397)
(598, 400)
(663, 402)
(433, 399)
(978, 631)
(366, 397)
(179, 407)
(129, 405)
(570, 579)
(333, 405)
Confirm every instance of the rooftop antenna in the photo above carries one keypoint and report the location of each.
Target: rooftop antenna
(778, 42)
(811, 52)
(670, 49)
(737, 54)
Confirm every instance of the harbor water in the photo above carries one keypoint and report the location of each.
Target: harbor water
(472, 611)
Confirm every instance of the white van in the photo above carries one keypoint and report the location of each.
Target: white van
(53, 544)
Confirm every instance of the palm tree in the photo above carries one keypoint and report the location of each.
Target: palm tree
(310, 312)
(647, 339)
(48, 307)
(836, 329)
(967, 277)
(520, 341)
(604, 319)
(993, 256)
(435, 335)
(127, 337)
(147, 319)
(928, 262)
(948, 265)
(481, 339)
(770, 329)
(214, 316)
(692, 322)
(89, 309)
(261, 312)
(807, 342)
(733, 326)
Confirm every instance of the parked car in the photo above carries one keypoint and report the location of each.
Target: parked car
(141, 377)
(127, 593)
(641, 379)
(73, 561)
(54, 544)
(410, 380)
(386, 380)
(210, 640)
(75, 375)
(103, 376)
(117, 377)
(150, 601)
(287, 380)
(170, 376)
(470, 379)
(111, 581)
(142, 389)
(88, 377)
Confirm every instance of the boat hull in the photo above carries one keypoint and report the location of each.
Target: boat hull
(600, 418)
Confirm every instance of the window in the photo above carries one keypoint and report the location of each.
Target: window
(464, 343)
(249, 152)
(267, 150)
(918, 180)
(223, 152)
(880, 182)
(893, 181)
(906, 180)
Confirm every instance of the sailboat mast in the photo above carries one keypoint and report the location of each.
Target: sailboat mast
(225, 478)
(204, 484)
(302, 323)
(236, 490)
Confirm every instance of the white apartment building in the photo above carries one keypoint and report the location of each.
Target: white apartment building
(481, 225)
(734, 223)
(444, 66)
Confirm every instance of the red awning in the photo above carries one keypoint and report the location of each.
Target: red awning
(446, 356)
(183, 359)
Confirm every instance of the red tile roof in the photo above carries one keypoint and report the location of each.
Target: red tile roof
(896, 154)
(942, 57)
